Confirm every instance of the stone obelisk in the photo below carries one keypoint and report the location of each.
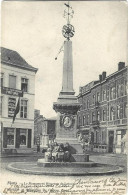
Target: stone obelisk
(67, 104)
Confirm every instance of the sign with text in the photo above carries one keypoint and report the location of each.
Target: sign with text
(11, 106)
(10, 91)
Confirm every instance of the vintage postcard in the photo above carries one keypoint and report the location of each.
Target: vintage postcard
(64, 97)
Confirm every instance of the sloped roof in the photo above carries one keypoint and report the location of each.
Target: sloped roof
(13, 58)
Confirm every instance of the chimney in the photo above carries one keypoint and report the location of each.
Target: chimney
(121, 65)
(100, 77)
(103, 75)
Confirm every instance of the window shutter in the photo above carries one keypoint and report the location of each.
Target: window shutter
(5, 137)
(12, 81)
(17, 145)
(29, 137)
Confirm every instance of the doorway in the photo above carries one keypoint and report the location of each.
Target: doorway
(111, 140)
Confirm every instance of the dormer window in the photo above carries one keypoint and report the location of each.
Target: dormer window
(24, 84)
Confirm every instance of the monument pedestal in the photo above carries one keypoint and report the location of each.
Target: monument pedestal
(67, 106)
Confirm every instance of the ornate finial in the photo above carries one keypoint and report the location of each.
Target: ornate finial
(68, 30)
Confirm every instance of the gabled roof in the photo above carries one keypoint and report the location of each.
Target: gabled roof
(13, 58)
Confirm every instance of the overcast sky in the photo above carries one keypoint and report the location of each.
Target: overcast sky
(34, 30)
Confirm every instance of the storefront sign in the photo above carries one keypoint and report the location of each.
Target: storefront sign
(11, 106)
(10, 91)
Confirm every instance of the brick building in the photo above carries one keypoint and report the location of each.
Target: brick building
(17, 84)
(102, 119)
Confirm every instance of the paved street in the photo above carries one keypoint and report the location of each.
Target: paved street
(8, 176)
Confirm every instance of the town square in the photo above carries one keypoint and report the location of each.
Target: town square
(64, 97)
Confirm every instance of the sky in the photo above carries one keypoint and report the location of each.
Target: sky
(34, 30)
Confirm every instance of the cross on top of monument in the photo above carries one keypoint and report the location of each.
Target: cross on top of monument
(68, 30)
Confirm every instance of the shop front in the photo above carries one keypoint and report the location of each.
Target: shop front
(16, 138)
(120, 142)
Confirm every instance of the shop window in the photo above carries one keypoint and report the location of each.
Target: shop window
(10, 137)
(12, 81)
(24, 84)
(23, 137)
(23, 109)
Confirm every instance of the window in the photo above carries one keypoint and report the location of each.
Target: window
(98, 115)
(88, 119)
(112, 113)
(122, 90)
(104, 115)
(23, 137)
(88, 104)
(97, 136)
(118, 90)
(125, 110)
(125, 84)
(118, 111)
(98, 96)
(1, 79)
(24, 84)
(104, 95)
(12, 81)
(23, 109)
(93, 116)
(83, 120)
(0, 105)
(112, 93)
(10, 137)
(93, 100)
(103, 137)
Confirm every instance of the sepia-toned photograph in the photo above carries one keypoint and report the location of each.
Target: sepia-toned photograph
(63, 101)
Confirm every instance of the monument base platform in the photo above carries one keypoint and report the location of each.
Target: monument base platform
(42, 163)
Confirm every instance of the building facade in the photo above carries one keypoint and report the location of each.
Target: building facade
(102, 119)
(17, 85)
(44, 129)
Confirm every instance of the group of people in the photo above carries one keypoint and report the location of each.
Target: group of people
(58, 152)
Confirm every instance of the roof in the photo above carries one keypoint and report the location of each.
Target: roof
(13, 58)
(94, 84)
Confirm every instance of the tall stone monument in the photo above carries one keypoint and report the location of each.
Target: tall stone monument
(67, 104)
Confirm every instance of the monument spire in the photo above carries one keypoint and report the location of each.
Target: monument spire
(67, 104)
(68, 32)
